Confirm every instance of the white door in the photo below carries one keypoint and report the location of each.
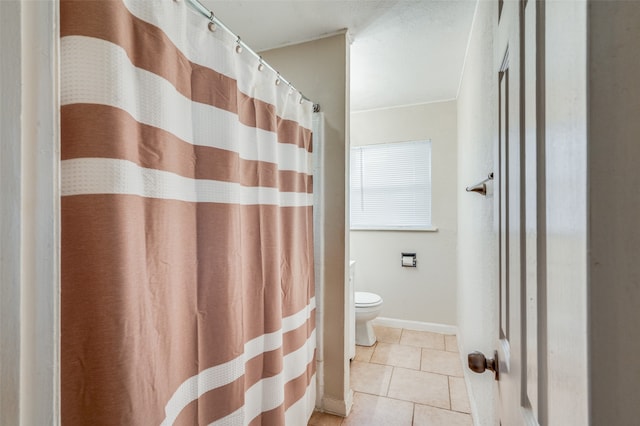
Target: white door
(519, 188)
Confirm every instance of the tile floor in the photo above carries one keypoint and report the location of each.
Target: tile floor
(407, 378)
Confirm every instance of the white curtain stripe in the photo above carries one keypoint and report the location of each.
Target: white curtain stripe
(268, 393)
(298, 409)
(84, 176)
(88, 68)
(258, 85)
(220, 375)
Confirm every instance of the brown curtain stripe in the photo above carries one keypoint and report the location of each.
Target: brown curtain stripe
(211, 257)
(88, 131)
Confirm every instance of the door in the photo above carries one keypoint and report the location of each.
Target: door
(519, 215)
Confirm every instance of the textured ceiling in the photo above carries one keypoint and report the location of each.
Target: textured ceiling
(403, 52)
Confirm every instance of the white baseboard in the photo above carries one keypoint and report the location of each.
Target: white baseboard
(338, 407)
(416, 325)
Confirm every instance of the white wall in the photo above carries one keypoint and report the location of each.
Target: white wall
(566, 172)
(428, 292)
(477, 239)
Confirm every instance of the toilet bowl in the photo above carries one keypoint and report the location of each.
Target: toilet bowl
(368, 306)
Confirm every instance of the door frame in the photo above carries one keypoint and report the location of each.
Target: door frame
(29, 213)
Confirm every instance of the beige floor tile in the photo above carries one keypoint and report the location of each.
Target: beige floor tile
(420, 387)
(387, 334)
(430, 416)
(458, 394)
(371, 410)
(370, 378)
(451, 343)
(441, 362)
(423, 339)
(363, 353)
(397, 355)
(324, 419)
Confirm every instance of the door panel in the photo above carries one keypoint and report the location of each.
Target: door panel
(520, 191)
(517, 158)
(533, 341)
(503, 205)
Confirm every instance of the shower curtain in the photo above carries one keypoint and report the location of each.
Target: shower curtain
(187, 246)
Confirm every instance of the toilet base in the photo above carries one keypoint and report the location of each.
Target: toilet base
(365, 336)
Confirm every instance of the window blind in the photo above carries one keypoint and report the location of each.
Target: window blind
(391, 186)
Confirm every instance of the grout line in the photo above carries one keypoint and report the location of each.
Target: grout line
(413, 414)
(375, 348)
(449, 386)
(424, 371)
(390, 378)
(397, 399)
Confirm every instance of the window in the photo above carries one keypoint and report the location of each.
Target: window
(391, 186)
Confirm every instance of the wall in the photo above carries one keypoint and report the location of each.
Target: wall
(477, 239)
(614, 203)
(320, 69)
(426, 293)
(10, 152)
(566, 210)
(29, 213)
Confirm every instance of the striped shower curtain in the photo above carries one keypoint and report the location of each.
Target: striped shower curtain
(187, 247)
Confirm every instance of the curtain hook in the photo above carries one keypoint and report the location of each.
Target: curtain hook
(212, 25)
(238, 46)
(278, 79)
(261, 64)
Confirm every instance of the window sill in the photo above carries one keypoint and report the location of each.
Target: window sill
(404, 229)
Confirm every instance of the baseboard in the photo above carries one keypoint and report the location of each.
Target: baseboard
(416, 325)
(339, 407)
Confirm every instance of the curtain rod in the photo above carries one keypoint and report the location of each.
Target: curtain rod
(216, 21)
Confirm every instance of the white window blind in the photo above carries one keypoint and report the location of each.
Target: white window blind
(391, 186)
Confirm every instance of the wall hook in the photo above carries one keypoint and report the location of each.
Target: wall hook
(480, 187)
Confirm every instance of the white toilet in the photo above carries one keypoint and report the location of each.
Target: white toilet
(368, 306)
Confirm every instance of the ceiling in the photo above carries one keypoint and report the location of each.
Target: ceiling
(403, 52)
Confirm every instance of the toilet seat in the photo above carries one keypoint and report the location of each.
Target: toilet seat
(365, 299)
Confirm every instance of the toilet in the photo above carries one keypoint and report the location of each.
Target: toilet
(368, 306)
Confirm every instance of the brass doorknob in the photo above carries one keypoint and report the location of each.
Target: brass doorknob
(478, 363)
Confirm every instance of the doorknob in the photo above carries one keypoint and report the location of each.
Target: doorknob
(478, 363)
